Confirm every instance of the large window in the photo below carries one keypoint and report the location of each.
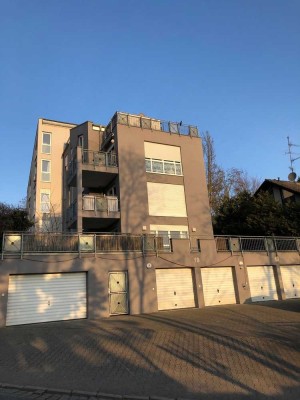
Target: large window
(46, 145)
(162, 159)
(46, 170)
(45, 201)
(163, 166)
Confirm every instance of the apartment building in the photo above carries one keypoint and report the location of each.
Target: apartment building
(139, 175)
(44, 190)
(136, 230)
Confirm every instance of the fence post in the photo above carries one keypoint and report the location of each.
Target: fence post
(266, 245)
(143, 244)
(240, 244)
(22, 238)
(230, 245)
(298, 245)
(79, 249)
(275, 244)
(95, 246)
(3, 240)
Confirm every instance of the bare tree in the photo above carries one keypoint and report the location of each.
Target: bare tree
(222, 183)
(215, 175)
(238, 180)
(49, 220)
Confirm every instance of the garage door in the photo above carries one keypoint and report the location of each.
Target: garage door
(218, 286)
(291, 280)
(175, 288)
(262, 283)
(46, 297)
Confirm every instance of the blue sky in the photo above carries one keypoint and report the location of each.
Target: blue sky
(230, 67)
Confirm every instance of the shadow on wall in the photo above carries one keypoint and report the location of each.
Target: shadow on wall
(134, 213)
(241, 352)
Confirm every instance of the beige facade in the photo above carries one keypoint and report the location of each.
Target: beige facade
(44, 191)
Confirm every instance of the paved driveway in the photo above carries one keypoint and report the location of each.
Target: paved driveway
(231, 352)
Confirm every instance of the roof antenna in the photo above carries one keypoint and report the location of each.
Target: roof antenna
(292, 175)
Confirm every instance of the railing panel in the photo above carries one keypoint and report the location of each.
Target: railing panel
(49, 243)
(288, 244)
(106, 243)
(88, 203)
(253, 244)
(112, 204)
(99, 158)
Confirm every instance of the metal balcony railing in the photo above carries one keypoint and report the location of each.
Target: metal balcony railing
(144, 122)
(20, 244)
(15, 243)
(99, 158)
(100, 203)
(257, 244)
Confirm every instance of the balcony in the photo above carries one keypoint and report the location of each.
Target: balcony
(100, 203)
(96, 165)
(99, 212)
(99, 158)
(20, 244)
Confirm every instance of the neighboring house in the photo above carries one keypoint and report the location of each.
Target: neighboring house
(136, 229)
(282, 191)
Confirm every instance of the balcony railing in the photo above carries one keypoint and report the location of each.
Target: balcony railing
(257, 244)
(144, 122)
(100, 203)
(95, 158)
(24, 243)
(21, 244)
(99, 158)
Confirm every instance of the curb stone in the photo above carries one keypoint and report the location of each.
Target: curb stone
(89, 395)
(107, 396)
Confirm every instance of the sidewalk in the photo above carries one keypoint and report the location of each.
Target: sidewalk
(236, 352)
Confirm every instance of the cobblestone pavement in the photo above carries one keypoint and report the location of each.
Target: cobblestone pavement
(236, 352)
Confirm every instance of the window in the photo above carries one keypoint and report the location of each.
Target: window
(46, 170)
(163, 167)
(80, 141)
(46, 145)
(168, 232)
(157, 166)
(45, 201)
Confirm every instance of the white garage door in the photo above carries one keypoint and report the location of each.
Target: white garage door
(262, 283)
(291, 280)
(175, 288)
(218, 286)
(46, 297)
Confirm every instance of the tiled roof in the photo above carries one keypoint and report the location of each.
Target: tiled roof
(291, 186)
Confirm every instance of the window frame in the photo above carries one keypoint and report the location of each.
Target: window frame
(47, 145)
(45, 192)
(45, 172)
(177, 166)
